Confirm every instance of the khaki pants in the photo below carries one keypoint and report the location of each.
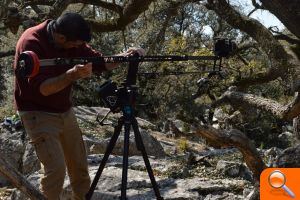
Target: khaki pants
(58, 143)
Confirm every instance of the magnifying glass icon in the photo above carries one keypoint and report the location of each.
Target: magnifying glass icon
(277, 180)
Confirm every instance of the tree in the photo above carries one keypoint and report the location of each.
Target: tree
(265, 56)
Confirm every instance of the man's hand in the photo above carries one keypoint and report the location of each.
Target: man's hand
(79, 71)
(58, 83)
(130, 52)
(133, 50)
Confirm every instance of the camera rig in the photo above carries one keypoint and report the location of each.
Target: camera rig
(119, 99)
(28, 64)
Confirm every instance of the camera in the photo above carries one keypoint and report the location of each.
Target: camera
(224, 47)
(109, 94)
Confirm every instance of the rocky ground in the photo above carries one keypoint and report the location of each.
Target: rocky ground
(184, 166)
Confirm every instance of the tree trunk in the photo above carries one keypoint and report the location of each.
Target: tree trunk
(237, 139)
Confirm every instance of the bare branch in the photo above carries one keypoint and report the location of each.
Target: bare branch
(281, 36)
(38, 2)
(287, 38)
(130, 12)
(241, 58)
(7, 53)
(107, 5)
(245, 46)
(287, 12)
(251, 12)
(58, 7)
(127, 14)
(256, 5)
(110, 6)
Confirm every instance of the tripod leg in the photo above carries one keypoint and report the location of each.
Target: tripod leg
(125, 160)
(141, 147)
(108, 151)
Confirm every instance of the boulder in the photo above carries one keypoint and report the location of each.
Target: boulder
(152, 146)
(233, 169)
(290, 157)
(12, 147)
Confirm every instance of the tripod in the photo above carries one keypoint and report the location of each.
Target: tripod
(126, 97)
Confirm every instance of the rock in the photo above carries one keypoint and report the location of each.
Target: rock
(139, 186)
(216, 126)
(144, 124)
(224, 196)
(286, 138)
(234, 169)
(89, 114)
(185, 184)
(220, 115)
(175, 128)
(30, 160)
(253, 195)
(152, 146)
(271, 155)
(12, 148)
(290, 157)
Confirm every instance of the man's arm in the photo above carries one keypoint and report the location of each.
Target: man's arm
(58, 83)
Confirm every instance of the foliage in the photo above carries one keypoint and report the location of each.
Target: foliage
(183, 144)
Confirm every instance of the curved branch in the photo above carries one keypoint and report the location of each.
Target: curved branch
(260, 78)
(58, 7)
(287, 38)
(110, 6)
(131, 12)
(37, 2)
(107, 5)
(287, 12)
(239, 99)
(237, 139)
(127, 14)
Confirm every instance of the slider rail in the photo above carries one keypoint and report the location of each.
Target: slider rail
(121, 59)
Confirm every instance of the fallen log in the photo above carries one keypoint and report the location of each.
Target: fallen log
(19, 181)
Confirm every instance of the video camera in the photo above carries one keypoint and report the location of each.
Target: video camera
(224, 47)
(109, 94)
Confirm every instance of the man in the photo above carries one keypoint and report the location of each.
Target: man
(44, 101)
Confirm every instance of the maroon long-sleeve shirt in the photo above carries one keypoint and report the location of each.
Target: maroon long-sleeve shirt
(27, 93)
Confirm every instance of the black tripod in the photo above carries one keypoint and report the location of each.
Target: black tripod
(125, 97)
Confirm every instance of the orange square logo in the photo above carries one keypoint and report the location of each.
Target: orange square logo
(280, 184)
